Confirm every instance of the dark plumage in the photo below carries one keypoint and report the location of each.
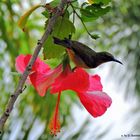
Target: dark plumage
(83, 56)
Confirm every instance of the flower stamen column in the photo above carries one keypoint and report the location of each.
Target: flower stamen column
(54, 124)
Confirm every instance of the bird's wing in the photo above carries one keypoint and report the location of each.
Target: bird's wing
(85, 53)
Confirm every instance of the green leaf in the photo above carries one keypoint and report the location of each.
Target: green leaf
(66, 14)
(66, 60)
(101, 1)
(94, 36)
(51, 50)
(87, 16)
(23, 19)
(92, 12)
(45, 13)
(62, 29)
(54, 3)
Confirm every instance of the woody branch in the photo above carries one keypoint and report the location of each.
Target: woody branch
(20, 87)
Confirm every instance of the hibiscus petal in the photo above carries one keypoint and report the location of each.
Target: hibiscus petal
(40, 66)
(96, 103)
(77, 81)
(22, 62)
(95, 83)
(42, 81)
(41, 75)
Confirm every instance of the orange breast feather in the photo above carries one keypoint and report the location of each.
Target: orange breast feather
(76, 59)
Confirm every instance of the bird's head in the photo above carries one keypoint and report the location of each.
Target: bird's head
(103, 57)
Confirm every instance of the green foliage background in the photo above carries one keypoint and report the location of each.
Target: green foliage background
(120, 32)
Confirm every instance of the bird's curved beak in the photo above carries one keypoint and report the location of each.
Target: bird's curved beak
(115, 60)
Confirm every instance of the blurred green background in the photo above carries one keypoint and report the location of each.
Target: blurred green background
(120, 32)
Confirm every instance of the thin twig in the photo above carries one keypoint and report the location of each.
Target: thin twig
(80, 19)
(20, 86)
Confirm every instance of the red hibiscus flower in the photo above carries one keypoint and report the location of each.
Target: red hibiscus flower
(88, 87)
(41, 76)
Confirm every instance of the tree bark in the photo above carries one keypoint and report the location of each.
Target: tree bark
(20, 87)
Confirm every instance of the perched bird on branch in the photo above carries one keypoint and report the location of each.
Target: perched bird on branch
(83, 56)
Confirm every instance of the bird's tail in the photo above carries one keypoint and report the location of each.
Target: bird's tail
(66, 42)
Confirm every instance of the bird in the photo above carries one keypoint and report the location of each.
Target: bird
(82, 55)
